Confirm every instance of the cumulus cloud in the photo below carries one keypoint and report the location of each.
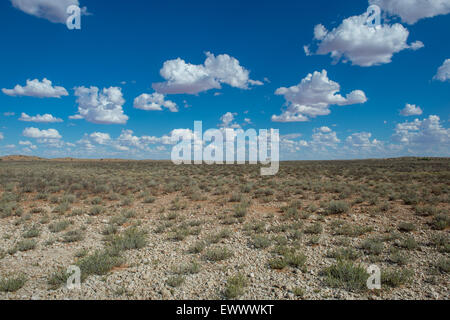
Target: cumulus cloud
(324, 129)
(102, 107)
(45, 118)
(324, 138)
(41, 134)
(154, 102)
(226, 121)
(411, 11)
(353, 40)
(427, 135)
(127, 141)
(313, 96)
(28, 144)
(411, 110)
(182, 77)
(443, 73)
(100, 137)
(52, 10)
(362, 140)
(36, 88)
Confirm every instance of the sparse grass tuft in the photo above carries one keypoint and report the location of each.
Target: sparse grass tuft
(235, 286)
(395, 278)
(132, 238)
(337, 207)
(175, 281)
(99, 263)
(346, 275)
(12, 283)
(59, 226)
(218, 254)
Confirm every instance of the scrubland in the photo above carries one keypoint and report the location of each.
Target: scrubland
(153, 230)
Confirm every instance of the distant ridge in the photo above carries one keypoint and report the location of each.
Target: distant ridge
(22, 158)
(69, 159)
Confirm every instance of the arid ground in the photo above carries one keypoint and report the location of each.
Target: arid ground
(153, 230)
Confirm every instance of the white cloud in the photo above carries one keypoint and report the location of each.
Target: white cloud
(9, 114)
(324, 129)
(1, 136)
(38, 89)
(100, 137)
(46, 118)
(125, 142)
(41, 134)
(226, 121)
(127, 139)
(411, 110)
(324, 138)
(411, 11)
(52, 10)
(443, 73)
(423, 135)
(416, 45)
(154, 102)
(362, 140)
(313, 96)
(291, 136)
(188, 78)
(28, 144)
(361, 44)
(102, 107)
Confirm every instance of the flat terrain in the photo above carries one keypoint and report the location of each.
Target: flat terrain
(153, 230)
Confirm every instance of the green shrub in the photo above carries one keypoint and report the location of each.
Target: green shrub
(337, 207)
(278, 263)
(223, 234)
(190, 268)
(406, 227)
(443, 265)
(346, 275)
(58, 279)
(441, 242)
(132, 238)
(261, 242)
(73, 236)
(59, 226)
(315, 228)
(373, 246)
(235, 286)
(12, 283)
(33, 232)
(99, 263)
(96, 210)
(396, 278)
(197, 247)
(440, 222)
(397, 257)
(218, 254)
(409, 243)
(26, 245)
(240, 211)
(344, 254)
(175, 281)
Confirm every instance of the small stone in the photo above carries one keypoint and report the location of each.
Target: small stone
(165, 294)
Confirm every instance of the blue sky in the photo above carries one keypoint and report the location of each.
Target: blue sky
(384, 92)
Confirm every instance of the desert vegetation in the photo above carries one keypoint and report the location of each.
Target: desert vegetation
(153, 230)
